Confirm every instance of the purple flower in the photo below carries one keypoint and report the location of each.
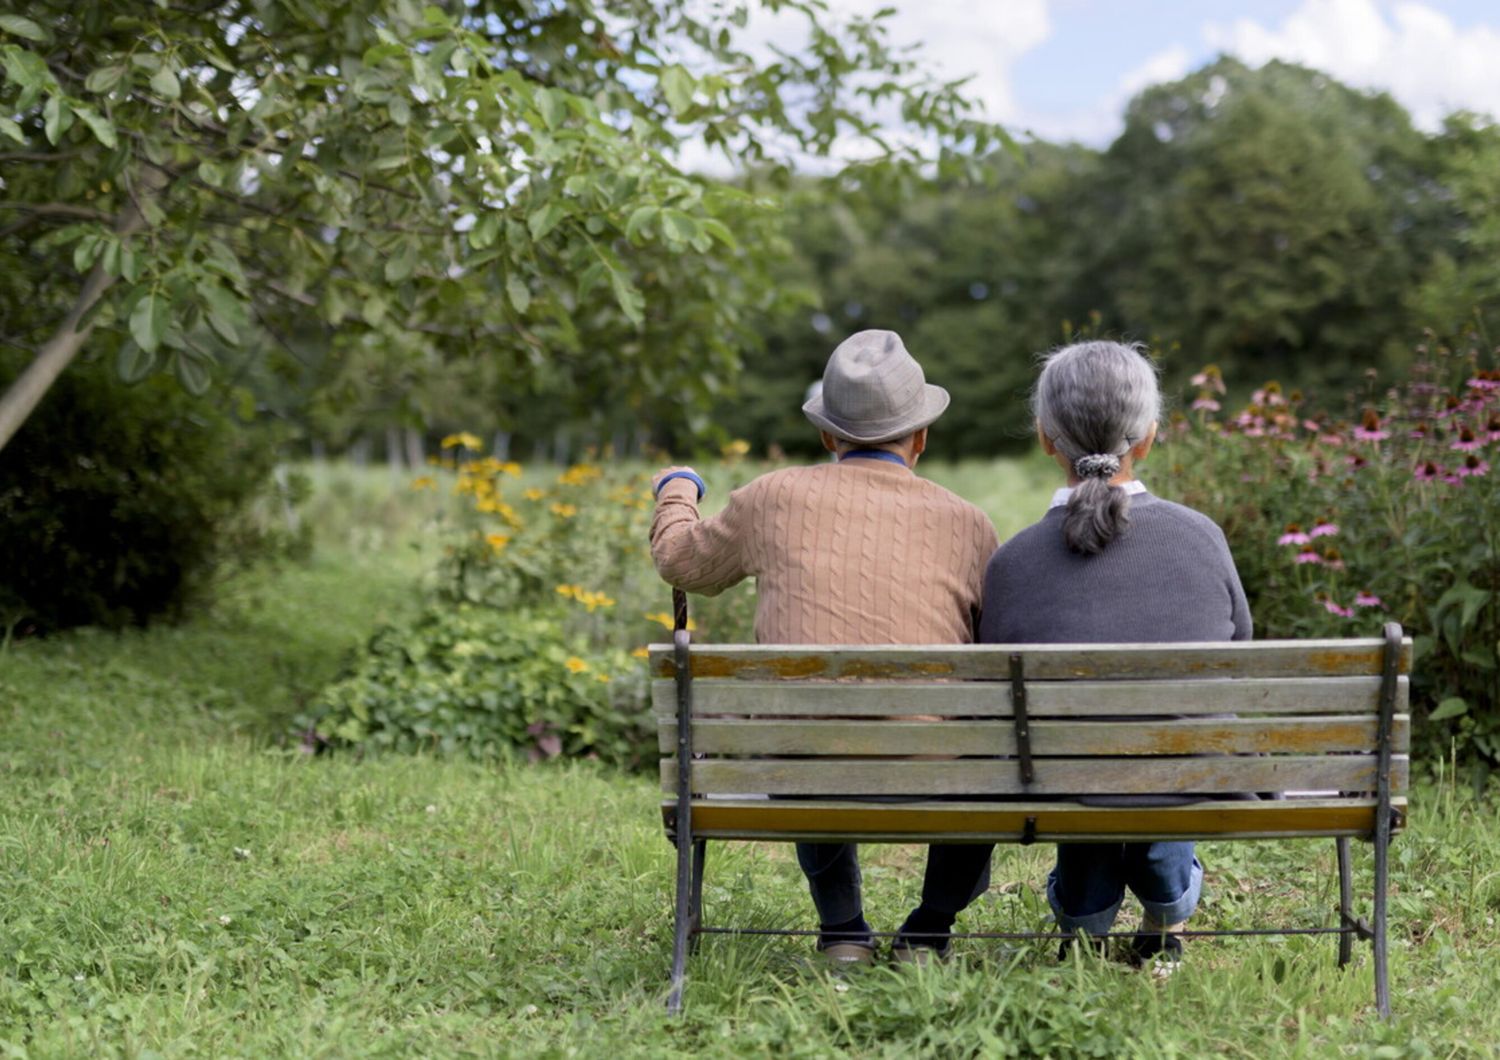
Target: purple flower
(1293, 536)
(1307, 555)
(1427, 471)
(1364, 598)
(1323, 530)
(1467, 442)
(1206, 404)
(1485, 381)
(1472, 465)
(1334, 609)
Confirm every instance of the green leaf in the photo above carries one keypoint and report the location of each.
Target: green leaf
(26, 68)
(485, 230)
(23, 27)
(544, 220)
(519, 293)
(678, 226)
(165, 84)
(148, 321)
(373, 311)
(639, 218)
(225, 311)
(551, 103)
(632, 303)
(104, 79)
(191, 373)
(719, 231)
(677, 86)
(102, 128)
(58, 117)
(1452, 707)
(400, 265)
(133, 363)
(11, 129)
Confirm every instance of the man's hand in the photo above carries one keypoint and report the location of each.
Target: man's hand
(664, 472)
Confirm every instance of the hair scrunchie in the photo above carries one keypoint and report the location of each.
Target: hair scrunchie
(1097, 465)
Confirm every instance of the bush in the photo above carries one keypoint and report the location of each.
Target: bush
(545, 601)
(119, 503)
(1338, 525)
(478, 681)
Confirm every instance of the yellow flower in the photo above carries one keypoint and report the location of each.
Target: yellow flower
(603, 679)
(592, 600)
(424, 482)
(568, 590)
(735, 449)
(576, 665)
(463, 438)
(664, 619)
(641, 653)
(579, 475)
(534, 494)
(497, 541)
(566, 511)
(510, 467)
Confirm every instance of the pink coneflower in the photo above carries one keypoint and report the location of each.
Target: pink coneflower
(1332, 559)
(1307, 555)
(1419, 432)
(1355, 461)
(1364, 598)
(1485, 381)
(1467, 442)
(1323, 530)
(1492, 425)
(1205, 404)
(1472, 465)
(1450, 406)
(1369, 429)
(1312, 425)
(1427, 471)
(1453, 478)
(1293, 536)
(1334, 609)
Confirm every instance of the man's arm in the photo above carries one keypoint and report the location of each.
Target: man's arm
(700, 555)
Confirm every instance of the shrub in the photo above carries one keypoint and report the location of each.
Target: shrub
(545, 600)
(1338, 525)
(479, 681)
(119, 503)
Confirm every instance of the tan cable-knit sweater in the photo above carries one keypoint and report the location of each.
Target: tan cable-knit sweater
(856, 552)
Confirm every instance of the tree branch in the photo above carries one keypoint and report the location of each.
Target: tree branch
(58, 209)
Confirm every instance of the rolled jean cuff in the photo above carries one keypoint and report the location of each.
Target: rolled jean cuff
(1090, 923)
(1167, 913)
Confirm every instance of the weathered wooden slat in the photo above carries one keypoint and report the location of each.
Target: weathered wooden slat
(1006, 822)
(1276, 695)
(1266, 658)
(1054, 776)
(1281, 735)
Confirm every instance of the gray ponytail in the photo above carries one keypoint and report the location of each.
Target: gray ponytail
(1095, 400)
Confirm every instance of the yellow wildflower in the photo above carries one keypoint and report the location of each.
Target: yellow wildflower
(580, 475)
(603, 679)
(576, 665)
(569, 590)
(735, 449)
(424, 482)
(497, 542)
(566, 511)
(534, 494)
(664, 619)
(510, 467)
(463, 438)
(641, 653)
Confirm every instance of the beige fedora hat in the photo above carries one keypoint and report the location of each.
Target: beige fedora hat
(874, 391)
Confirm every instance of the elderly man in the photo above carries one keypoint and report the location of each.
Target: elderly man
(856, 551)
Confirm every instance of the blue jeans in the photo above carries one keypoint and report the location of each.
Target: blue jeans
(1088, 884)
(957, 873)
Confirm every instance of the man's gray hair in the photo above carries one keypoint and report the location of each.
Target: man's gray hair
(1095, 400)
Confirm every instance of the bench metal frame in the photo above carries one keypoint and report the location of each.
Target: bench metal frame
(692, 849)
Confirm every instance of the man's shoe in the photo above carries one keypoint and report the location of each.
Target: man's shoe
(1157, 947)
(845, 954)
(1099, 947)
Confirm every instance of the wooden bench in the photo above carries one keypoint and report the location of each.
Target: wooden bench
(1021, 732)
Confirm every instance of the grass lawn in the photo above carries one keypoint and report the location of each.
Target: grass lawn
(174, 882)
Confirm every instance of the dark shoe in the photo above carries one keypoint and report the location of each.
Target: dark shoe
(1099, 947)
(844, 954)
(922, 954)
(1159, 951)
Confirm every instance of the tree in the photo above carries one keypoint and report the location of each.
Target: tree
(195, 180)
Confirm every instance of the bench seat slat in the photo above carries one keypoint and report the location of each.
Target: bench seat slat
(1306, 735)
(1006, 822)
(1054, 776)
(1266, 658)
(1339, 695)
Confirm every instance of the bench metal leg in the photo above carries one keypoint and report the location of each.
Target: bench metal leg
(1346, 907)
(1382, 984)
(695, 901)
(683, 920)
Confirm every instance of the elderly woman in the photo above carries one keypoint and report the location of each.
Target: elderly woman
(1111, 563)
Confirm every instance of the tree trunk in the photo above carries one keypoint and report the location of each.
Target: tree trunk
(415, 454)
(58, 352)
(393, 449)
(501, 445)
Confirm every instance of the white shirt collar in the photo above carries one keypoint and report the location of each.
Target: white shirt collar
(1060, 498)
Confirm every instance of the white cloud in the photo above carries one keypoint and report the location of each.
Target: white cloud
(1408, 49)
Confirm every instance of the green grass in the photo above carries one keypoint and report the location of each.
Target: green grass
(174, 883)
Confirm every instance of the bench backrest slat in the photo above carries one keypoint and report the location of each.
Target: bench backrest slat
(973, 698)
(860, 737)
(1265, 658)
(1226, 774)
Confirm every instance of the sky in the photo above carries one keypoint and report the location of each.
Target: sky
(1064, 69)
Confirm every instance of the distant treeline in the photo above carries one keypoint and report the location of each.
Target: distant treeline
(1272, 221)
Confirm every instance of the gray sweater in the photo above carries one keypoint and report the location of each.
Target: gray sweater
(1168, 577)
